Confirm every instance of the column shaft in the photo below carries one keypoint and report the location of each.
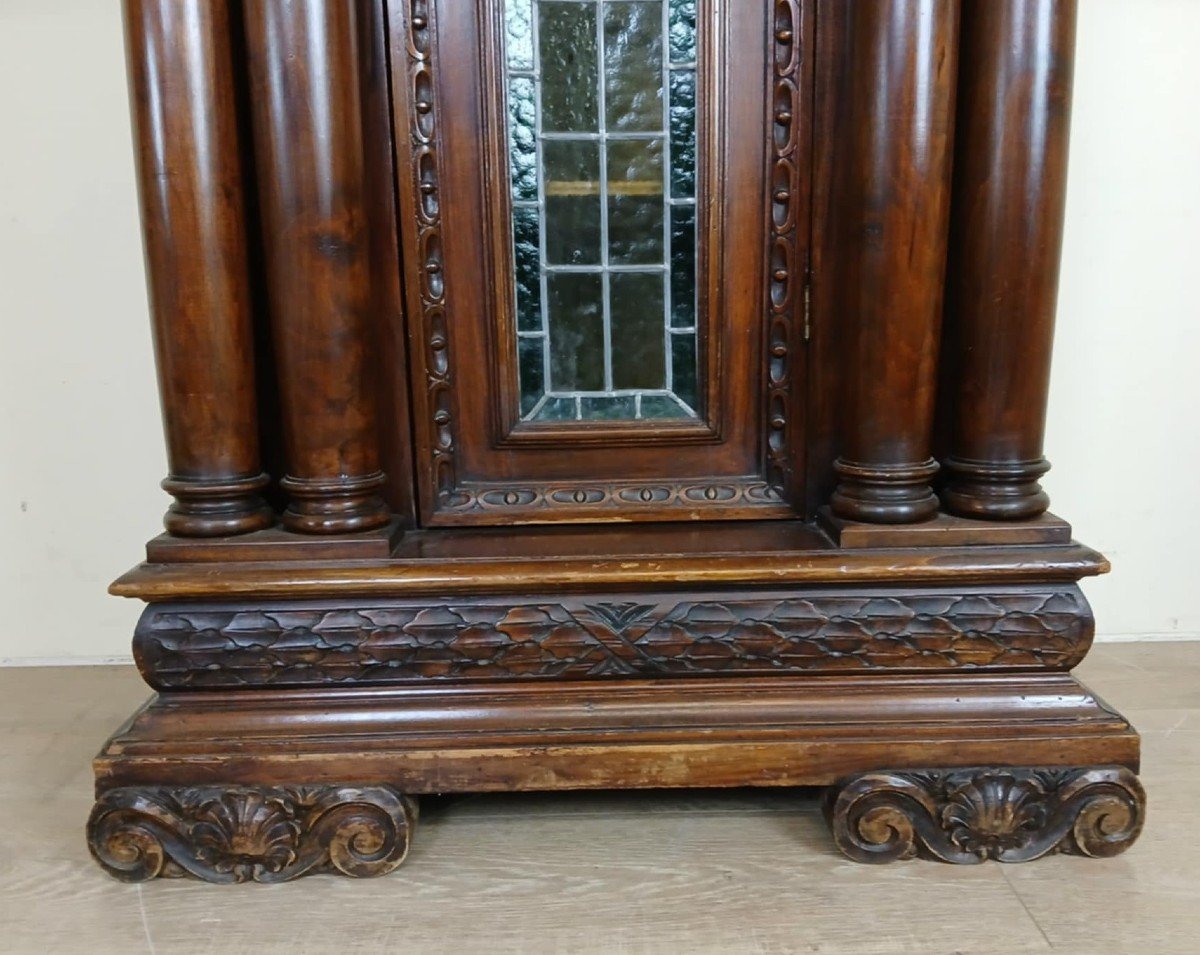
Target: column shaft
(1006, 222)
(190, 182)
(309, 144)
(893, 179)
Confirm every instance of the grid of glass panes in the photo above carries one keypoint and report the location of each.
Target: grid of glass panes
(602, 154)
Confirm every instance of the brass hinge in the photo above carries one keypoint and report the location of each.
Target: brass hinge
(807, 305)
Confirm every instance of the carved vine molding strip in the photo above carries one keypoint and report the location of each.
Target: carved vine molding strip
(426, 172)
(598, 495)
(402, 641)
(785, 270)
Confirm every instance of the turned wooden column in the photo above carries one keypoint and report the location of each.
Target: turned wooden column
(308, 137)
(1007, 218)
(190, 185)
(894, 171)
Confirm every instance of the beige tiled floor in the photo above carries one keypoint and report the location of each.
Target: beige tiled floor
(743, 871)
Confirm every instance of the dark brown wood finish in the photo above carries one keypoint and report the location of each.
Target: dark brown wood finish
(917, 663)
(771, 553)
(945, 530)
(388, 340)
(306, 75)
(229, 834)
(476, 464)
(967, 816)
(604, 636)
(758, 731)
(190, 182)
(1010, 176)
(898, 60)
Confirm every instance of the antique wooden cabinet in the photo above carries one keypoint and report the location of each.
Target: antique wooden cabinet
(605, 393)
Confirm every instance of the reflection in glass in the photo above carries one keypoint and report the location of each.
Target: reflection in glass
(602, 160)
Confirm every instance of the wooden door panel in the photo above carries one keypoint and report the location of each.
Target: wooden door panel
(477, 460)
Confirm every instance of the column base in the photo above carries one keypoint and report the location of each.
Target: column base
(335, 505)
(995, 491)
(885, 494)
(217, 508)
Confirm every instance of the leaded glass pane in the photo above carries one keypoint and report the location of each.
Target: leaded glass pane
(602, 156)
(633, 62)
(518, 25)
(683, 31)
(635, 201)
(567, 54)
(576, 331)
(683, 266)
(571, 174)
(683, 134)
(637, 330)
(522, 138)
(526, 258)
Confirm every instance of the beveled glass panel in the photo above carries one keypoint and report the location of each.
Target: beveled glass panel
(572, 213)
(637, 330)
(576, 331)
(567, 57)
(601, 141)
(635, 201)
(633, 63)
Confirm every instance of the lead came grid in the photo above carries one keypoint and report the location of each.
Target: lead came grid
(605, 291)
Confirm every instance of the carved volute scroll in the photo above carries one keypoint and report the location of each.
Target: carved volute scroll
(190, 181)
(309, 144)
(968, 816)
(241, 833)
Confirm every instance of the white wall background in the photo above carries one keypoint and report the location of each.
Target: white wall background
(80, 441)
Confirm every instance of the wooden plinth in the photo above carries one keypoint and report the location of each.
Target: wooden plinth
(304, 703)
(625, 734)
(945, 530)
(270, 785)
(275, 543)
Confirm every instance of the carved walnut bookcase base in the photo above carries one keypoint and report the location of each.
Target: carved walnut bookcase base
(828, 563)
